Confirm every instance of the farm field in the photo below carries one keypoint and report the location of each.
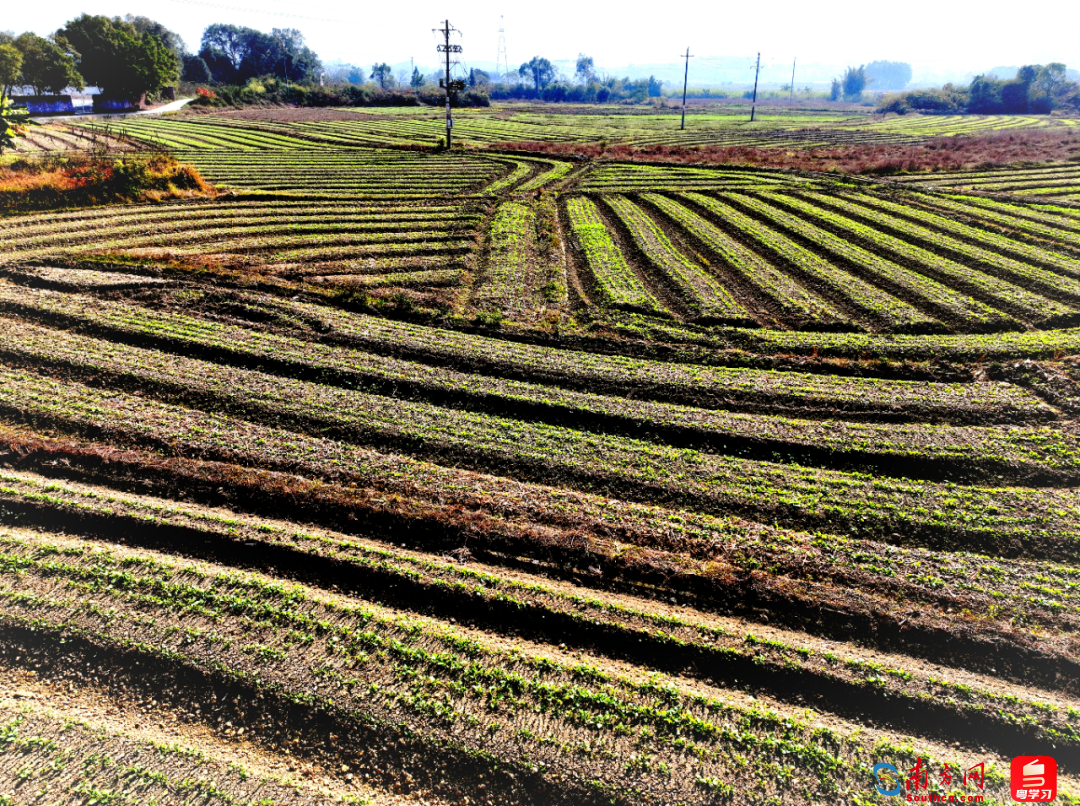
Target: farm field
(392, 475)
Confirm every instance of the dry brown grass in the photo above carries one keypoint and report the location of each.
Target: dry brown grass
(1000, 149)
(69, 180)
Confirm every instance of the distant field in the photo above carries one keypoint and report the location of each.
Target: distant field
(392, 475)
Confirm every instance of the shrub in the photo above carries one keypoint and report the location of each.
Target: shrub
(63, 180)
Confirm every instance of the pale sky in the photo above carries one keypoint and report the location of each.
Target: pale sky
(932, 35)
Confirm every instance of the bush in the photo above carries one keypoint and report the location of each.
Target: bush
(57, 180)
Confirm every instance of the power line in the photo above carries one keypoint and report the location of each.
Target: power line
(258, 11)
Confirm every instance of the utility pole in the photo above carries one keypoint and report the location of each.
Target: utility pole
(450, 86)
(685, 75)
(791, 98)
(753, 103)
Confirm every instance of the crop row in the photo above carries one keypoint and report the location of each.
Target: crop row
(555, 172)
(988, 517)
(703, 294)
(792, 575)
(1011, 450)
(179, 133)
(997, 292)
(37, 224)
(426, 277)
(1051, 230)
(572, 722)
(930, 230)
(208, 227)
(886, 273)
(878, 306)
(615, 375)
(795, 303)
(616, 282)
(78, 760)
(511, 281)
(520, 170)
(411, 580)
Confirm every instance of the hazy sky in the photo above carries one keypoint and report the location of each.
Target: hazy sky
(933, 35)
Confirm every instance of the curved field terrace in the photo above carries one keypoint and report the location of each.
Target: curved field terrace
(396, 475)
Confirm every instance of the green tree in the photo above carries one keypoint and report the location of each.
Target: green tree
(118, 58)
(46, 67)
(196, 69)
(889, 75)
(835, 90)
(478, 78)
(417, 80)
(1051, 79)
(382, 75)
(585, 69)
(539, 70)
(853, 82)
(13, 122)
(11, 61)
(236, 54)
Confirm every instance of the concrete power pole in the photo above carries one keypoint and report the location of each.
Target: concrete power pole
(685, 75)
(451, 86)
(791, 98)
(753, 103)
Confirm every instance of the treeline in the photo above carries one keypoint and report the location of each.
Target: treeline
(124, 57)
(1036, 89)
(134, 56)
(269, 90)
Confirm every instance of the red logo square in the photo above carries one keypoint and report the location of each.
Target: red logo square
(1033, 779)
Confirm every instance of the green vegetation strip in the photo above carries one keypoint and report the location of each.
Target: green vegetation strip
(510, 283)
(1046, 520)
(870, 301)
(878, 270)
(997, 292)
(707, 386)
(616, 281)
(795, 303)
(461, 588)
(615, 734)
(1000, 450)
(702, 293)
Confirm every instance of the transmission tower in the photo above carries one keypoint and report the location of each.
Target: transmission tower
(502, 62)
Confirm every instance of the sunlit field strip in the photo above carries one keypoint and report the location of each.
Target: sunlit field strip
(1035, 448)
(796, 304)
(1051, 225)
(400, 674)
(1001, 293)
(981, 234)
(617, 283)
(1048, 519)
(701, 292)
(871, 301)
(206, 227)
(656, 380)
(956, 305)
(238, 212)
(896, 217)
